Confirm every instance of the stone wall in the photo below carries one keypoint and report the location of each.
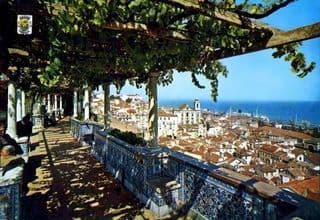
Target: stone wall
(168, 181)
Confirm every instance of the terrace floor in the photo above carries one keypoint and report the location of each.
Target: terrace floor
(65, 182)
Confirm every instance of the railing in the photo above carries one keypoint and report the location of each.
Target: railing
(10, 194)
(168, 181)
(84, 131)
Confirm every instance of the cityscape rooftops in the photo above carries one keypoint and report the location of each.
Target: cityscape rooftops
(284, 133)
(163, 113)
(269, 148)
(184, 107)
(309, 186)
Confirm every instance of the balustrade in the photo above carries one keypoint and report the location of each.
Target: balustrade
(10, 194)
(168, 181)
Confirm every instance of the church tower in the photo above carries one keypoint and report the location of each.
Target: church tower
(196, 105)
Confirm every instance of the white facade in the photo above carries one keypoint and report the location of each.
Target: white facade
(188, 115)
(167, 124)
(215, 131)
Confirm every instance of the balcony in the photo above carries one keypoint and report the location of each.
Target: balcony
(170, 182)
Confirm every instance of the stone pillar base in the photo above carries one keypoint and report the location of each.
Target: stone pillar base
(38, 122)
(165, 196)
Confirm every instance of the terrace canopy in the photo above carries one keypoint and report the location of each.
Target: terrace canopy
(76, 42)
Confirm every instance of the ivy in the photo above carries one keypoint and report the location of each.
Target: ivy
(82, 50)
(297, 59)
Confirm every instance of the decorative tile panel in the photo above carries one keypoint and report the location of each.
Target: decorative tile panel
(208, 196)
(10, 204)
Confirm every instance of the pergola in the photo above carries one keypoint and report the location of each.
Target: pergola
(186, 35)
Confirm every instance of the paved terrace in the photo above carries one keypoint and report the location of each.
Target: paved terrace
(66, 182)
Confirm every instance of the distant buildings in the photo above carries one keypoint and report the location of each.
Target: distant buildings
(187, 115)
(167, 124)
(236, 141)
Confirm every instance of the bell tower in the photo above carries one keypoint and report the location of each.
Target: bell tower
(196, 105)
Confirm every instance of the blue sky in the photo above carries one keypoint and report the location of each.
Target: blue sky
(257, 76)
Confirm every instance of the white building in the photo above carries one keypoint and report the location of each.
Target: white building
(167, 124)
(215, 131)
(188, 115)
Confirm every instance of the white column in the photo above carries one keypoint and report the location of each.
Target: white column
(80, 102)
(23, 103)
(75, 104)
(11, 112)
(55, 102)
(107, 113)
(60, 107)
(36, 111)
(153, 110)
(19, 105)
(86, 104)
(44, 101)
(60, 102)
(49, 103)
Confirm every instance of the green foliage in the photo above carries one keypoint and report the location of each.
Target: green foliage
(83, 51)
(296, 58)
(128, 137)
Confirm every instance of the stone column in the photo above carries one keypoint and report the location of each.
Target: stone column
(23, 103)
(153, 110)
(44, 101)
(55, 102)
(19, 105)
(86, 104)
(80, 102)
(49, 103)
(75, 104)
(107, 113)
(60, 102)
(36, 112)
(11, 112)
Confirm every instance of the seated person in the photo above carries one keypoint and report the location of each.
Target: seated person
(8, 159)
(24, 127)
(5, 140)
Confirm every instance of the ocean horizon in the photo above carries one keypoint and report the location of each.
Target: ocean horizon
(285, 111)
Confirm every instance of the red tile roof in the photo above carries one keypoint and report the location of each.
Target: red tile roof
(281, 165)
(163, 113)
(247, 173)
(213, 158)
(202, 149)
(296, 172)
(297, 151)
(314, 158)
(176, 148)
(284, 133)
(269, 148)
(309, 186)
(267, 169)
(184, 107)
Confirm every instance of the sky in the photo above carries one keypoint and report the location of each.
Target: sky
(257, 76)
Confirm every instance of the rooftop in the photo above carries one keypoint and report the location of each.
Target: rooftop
(311, 186)
(284, 133)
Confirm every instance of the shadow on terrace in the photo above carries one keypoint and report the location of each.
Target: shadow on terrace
(65, 182)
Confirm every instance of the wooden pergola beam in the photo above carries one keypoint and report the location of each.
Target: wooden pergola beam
(18, 51)
(226, 16)
(132, 26)
(147, 30)
(278, 39)
(295, 35)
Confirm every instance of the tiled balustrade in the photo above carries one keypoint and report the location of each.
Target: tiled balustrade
(10, 194)
(168, 181)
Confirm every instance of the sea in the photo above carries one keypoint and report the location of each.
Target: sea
(307, 112)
